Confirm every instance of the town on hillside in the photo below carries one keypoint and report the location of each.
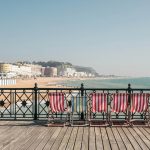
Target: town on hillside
(28, 70)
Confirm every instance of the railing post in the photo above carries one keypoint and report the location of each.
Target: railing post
(82, 89)
(35, 101)
(82, 94)
(129, 102)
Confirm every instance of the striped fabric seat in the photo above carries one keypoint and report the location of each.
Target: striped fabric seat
(99, 102)
(139, 102)
(57, 102)
(120, 102)
(78, 104)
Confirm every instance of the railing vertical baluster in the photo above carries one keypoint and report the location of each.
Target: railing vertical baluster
(82, 94)
(129, 102)
(35, 102)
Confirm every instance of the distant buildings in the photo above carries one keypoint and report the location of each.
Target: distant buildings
(49, 71)
(71, 72)
(68, 72)
(15, 70)
(53, 71)
(36, 70)
(5, 68)
(31, 70)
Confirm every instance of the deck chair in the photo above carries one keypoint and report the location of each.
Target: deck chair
(140, 105)
(79, 111)
(57, 107)
(99, 109)
(119, 108)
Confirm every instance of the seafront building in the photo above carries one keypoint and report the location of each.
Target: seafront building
(53, 71)
(5, 68)
(49, 71)
(23, 70)
(35, 69)
(68, 72)
(71, 72)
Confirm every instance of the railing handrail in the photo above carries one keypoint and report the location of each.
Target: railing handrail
(100, 89)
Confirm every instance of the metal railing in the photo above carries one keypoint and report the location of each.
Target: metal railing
(33, 103)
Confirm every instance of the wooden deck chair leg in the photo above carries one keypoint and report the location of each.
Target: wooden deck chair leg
(146, 117)
(129, 117)
(50, 117)
(68, 119)
(72, 116)
(107, 119)
(110, 123)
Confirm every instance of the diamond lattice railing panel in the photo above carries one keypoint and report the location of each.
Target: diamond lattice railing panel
(5, 102)
(24, 103)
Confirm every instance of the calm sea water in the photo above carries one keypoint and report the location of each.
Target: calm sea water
(111, 83)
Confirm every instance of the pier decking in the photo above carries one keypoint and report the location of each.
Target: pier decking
(30, 135)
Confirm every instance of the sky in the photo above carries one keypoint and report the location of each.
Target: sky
(112, 36)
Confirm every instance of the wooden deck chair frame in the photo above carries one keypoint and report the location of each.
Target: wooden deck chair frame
(119, 104)
(99, 104)
(79, 109)
(57, 104)
(145, 113)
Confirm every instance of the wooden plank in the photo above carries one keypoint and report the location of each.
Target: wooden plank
(53, 138)
(65, 140)
(59, 139)
(10, 136)
(26, 134)
(30, 140)
(131, 138)
(105, 139)
(118, 139)
(138, 139)
(78, 141)
(46, 138)
(147, 129)
(85, 140)
(112, 140)
(4, 129)
(4, 134)
(38, 139)
(143, 137)
(12, 140)
(72, 139)
(99, 142)
(125, 139)
(145, 133)
(92, 138)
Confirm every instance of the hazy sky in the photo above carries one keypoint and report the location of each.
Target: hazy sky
(112, 36)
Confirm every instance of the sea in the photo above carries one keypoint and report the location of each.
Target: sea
(138, 82)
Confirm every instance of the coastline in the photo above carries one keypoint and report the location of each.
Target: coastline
(43, 82)
(53, 82)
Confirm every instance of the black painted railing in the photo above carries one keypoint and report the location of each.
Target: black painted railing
(33, 103)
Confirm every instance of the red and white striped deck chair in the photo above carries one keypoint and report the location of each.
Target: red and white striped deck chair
(140, 104)
(119, 104)
(57, 105)
(99, 105)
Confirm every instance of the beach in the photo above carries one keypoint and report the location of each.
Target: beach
(42, 82)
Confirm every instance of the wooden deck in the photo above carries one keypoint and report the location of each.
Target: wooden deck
(22, 135)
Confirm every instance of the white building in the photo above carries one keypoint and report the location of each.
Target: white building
(53, 71)
(36, 70)
(81, 74)
(21, 70)
(68, 72)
